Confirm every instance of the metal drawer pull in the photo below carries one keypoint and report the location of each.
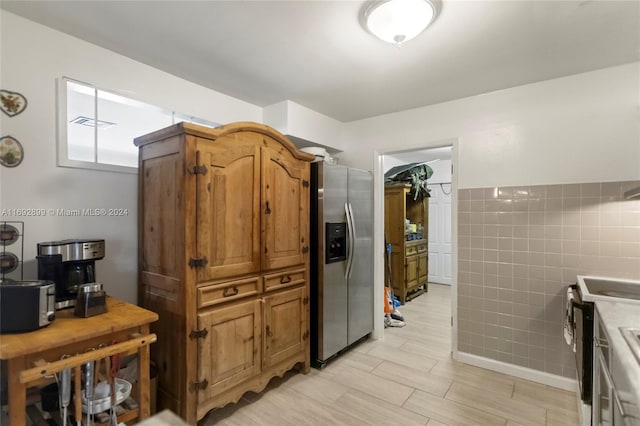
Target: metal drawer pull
(227, 293)
(284, 280)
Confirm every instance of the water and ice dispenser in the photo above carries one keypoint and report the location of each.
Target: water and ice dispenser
(336, 242)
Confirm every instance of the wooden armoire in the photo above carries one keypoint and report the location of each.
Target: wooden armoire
(409, 258)
(224, 260)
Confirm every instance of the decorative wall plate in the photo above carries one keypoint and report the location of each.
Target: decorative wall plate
(12, 103)
(8, 262)
(8, 234)
(11, 152)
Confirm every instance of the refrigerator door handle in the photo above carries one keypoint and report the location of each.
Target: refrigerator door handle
(350, 243)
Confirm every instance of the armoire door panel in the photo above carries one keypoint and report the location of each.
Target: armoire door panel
(160, 215)
(411, 271)
(423, 269)
(228, 197)
(284, 326)
(285, 209)
(230, 352)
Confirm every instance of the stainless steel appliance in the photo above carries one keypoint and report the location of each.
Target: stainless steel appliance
(69, 264)
(92, 300)
(26, 305)
(585, 292)
(341, 259)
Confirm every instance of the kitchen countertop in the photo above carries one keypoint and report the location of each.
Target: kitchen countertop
(620, 314)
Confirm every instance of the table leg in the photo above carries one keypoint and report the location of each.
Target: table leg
(17, 392)
(144, 397)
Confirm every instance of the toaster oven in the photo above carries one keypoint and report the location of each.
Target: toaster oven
(26, 305)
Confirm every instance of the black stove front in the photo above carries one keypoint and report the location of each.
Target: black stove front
(583, 337)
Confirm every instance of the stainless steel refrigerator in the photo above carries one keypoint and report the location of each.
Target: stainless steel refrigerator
(341, 259)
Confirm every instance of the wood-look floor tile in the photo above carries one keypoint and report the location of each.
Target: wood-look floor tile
(433, 422)
(320, 388)
(390, 339)
(449, 412)
(474, 376)
(368, 383)
(414, 378)
(293, 408)
(261, 412)
(558, 417)
(417, 362)
(361, 360)
(417, 334)
(437, 352)
(497, 404)
(545, 396)
(376, 411)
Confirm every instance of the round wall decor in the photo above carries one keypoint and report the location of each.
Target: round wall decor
(12, 103)
(11, 152)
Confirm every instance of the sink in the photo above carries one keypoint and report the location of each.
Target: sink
(598, 288)
(632, 336)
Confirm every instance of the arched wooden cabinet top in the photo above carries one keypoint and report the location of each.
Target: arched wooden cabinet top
(213, 133)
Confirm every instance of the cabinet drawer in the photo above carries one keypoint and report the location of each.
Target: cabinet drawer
(283, 279)
(422, 248)
(411, 250)
(219, 293)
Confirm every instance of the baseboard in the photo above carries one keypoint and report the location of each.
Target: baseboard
(518, 371)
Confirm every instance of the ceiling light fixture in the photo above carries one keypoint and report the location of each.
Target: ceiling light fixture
(398, 21)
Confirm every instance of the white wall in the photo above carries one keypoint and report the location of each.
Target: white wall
(581, 128)
(297, 120)
(441, 172)
(33, 57)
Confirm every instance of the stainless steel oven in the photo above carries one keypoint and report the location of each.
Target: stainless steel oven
(582, 312)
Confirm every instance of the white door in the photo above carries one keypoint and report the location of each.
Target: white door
(440, 233)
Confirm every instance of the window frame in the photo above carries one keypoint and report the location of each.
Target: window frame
(62, 149)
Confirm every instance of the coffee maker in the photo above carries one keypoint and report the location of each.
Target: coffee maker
(69, 264)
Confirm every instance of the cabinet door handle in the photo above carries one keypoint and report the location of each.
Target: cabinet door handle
(227, 293)
(618, 402)
(284, 280)
(267, 210)
(601, 343)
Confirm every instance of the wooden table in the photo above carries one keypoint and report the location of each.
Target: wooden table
(124, 323)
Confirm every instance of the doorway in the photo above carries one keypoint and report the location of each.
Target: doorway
(441, 156)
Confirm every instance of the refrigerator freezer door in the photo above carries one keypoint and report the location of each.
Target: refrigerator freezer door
(360, 305)
(332, 284)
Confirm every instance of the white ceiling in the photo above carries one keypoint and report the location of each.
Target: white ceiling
(315, 53)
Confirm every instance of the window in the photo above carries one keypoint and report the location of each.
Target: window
(97, 127)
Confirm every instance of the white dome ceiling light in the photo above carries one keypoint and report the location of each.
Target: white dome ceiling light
(398, 21)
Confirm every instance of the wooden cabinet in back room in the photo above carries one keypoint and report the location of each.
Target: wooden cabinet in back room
(224, 260)
(409, 258)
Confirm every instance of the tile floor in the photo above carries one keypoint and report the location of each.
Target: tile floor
(407, 378)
